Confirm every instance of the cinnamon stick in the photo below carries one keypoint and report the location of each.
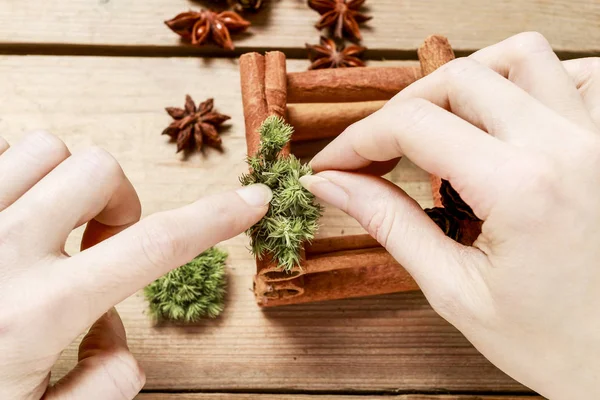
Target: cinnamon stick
(325, 120)
(316, 257)
(337, 261)
(335, 268)
(252, 76)
(275, 83)
(349, 84)
(340, 243)
(340, 284)
(264, 93)
(266, 291)
(272, 272)
(433, 53)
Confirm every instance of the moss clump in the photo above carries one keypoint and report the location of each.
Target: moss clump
(191, 292)
(293, 216)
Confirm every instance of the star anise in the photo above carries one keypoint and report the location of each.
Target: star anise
(195, 126)
(455, 218)
(199, 26)
(455, 205)
(327, 55)
(341, 15)
(447, 222)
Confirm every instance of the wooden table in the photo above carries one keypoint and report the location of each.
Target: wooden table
(101, 71)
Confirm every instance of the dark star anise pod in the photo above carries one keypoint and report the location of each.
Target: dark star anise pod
(327, 55)
(341, 15)
(455, 205)
(447, 222)
(200, 26)
(195, 126)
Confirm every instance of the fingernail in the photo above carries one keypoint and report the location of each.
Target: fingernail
(325, 190)
(309, 181)
(312, 164)
(257, 195)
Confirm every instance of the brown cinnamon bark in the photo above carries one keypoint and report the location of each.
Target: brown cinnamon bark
(340, 243)
(266, 291)
(252, 75)
(335, 268)
(340, 284)
(349, 84)
(325, 120)
(275, 83)
(336, 261)
(315, 257)
(264, 92)
(271, 272)
(433, 53)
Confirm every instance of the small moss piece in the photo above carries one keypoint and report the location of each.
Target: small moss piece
(191, 292)
(293, 215)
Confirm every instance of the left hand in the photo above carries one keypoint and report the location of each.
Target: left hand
(48, 298)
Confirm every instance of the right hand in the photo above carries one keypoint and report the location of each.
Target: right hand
(517, 133)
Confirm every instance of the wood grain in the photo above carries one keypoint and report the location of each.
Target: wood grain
(217, 396)
(386, 343)
(570, 25)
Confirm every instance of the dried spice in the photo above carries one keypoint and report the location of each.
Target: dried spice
(447, 222)
(328, 55)
(341, 15)
(195, 126)
(455, 205)
(454, 210)
(200, 26)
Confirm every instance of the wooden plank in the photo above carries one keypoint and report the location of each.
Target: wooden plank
(232, 396)
(570, 25)
(386, 343)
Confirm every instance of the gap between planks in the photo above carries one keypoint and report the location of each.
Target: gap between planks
(59, 49)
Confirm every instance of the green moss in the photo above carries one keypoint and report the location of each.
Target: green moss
(193, 291)
(293, 216)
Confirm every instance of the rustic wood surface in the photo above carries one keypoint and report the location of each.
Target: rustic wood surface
(114, 97)
(375, 344)
(397, 25)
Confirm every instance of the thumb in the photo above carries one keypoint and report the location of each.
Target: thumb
(106, 369)
(398, 223)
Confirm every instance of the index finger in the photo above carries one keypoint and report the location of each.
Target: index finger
(585, 73)
(103, 275)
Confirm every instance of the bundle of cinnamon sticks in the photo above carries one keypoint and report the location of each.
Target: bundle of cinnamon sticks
(321, 104)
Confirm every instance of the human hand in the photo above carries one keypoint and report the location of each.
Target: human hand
(48, 298)
(526, 293)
